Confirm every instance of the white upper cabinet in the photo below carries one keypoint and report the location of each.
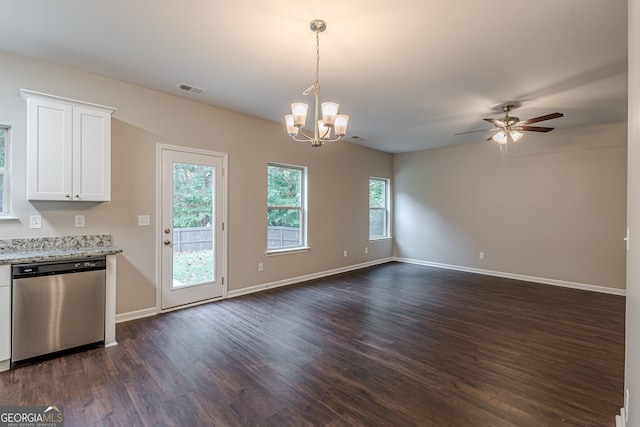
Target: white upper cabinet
(68, 149)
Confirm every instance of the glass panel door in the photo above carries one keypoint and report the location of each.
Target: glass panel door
(191, 234)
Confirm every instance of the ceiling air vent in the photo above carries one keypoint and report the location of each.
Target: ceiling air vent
(192, 89)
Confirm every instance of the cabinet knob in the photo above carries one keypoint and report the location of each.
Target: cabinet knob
(77, 196)
(167, 242)
(68, 196)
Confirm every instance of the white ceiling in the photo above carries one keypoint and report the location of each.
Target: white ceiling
(410, 73)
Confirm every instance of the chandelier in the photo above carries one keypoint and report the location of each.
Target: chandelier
(330, 118)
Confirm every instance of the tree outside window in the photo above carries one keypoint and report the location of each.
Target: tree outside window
(285, 207)
(193, 195)
(193, 219)
(378, 208)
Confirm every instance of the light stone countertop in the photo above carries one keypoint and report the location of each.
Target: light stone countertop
(38, 249)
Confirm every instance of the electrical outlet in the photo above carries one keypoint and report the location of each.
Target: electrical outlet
(79, 221)
(366, 249)
(144, 220)
(481, 255)
(260, 267)
(345, 253)
(35, 221)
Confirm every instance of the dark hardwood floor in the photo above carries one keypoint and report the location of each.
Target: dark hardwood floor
(392, 345)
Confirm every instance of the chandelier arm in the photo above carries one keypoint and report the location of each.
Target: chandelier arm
(308, 137)
(302, 140)
(337, 138)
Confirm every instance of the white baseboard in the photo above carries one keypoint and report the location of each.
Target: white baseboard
(554, 282)
(294, 280)
(621, 420)
(5, 365)
(138, 314)
(193, 304)
(148, 312)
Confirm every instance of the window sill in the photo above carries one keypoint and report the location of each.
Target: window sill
(8, 218)
(380, 239)
(285, 251)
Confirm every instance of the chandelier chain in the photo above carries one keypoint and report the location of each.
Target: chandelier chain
(317, 83)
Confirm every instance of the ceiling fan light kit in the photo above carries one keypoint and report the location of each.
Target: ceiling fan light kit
(296, 120)
(502, 137)
(510, 128)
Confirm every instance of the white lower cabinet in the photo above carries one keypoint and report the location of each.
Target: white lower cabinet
(5, 316)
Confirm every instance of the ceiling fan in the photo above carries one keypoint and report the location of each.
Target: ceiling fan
(510, 128)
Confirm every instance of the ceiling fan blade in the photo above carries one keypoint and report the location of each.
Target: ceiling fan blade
(474, 131)
(496, 122)
(543, 118)
(534, 128)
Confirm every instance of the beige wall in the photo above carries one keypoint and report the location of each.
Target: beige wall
(554, 208)
(338, 180)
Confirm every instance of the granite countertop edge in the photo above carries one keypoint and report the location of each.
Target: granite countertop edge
(55, 254)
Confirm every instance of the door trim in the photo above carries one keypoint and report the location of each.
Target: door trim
(158, 238)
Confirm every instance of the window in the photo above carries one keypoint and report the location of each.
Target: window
(378, 208)
(5, 208)
(286, 207)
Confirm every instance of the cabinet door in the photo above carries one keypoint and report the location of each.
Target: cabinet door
(49, 137)
(5, 322)
(91, 155)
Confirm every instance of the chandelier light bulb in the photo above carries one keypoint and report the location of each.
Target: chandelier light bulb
(292, 130)
(329, 113)
(299, 111)
(340, 125)
(323, 130)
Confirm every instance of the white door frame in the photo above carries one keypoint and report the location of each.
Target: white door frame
(158, 239)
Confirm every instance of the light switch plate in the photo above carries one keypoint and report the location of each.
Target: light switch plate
(144, 220)
(35, 221)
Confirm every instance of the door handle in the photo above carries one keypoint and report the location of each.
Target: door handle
(167, 242)
(167, 230)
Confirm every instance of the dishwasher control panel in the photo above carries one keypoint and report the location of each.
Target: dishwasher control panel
(58, 267)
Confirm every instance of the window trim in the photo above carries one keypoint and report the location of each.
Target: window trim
(386, 210)
(303, 246)
(6, 213)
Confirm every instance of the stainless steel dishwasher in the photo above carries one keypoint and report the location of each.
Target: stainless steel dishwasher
(57, 306)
